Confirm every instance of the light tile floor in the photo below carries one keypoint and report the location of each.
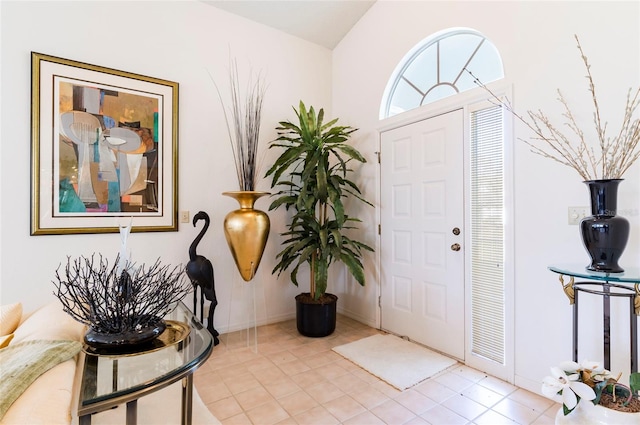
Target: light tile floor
(290, 379)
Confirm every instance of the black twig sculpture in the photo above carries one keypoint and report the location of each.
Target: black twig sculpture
(94, 293)
(200, 271)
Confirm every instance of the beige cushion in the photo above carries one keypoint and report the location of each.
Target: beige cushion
(23, 363)
(10, 315)
(49, 322)
(47, 401)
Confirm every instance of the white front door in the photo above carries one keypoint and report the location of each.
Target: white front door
(422, 218)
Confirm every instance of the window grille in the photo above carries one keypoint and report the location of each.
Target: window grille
(435, 69)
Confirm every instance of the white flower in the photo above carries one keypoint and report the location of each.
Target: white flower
(594, 369)
(570, 367)
(568, 386)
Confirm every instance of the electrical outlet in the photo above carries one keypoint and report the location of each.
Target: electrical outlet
(184, 216)
(576, 214)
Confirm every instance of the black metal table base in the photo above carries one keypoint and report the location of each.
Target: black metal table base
(605, 292)
(186, 416)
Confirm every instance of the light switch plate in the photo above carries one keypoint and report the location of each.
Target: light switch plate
(576, 214)
(184, 216)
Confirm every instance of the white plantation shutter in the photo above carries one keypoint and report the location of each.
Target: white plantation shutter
(487, 234)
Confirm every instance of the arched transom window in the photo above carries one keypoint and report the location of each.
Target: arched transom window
(435, 69)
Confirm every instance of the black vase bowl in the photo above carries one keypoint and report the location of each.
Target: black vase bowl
(605, 238)
(316, 319)
(125, 339)
(604, 234)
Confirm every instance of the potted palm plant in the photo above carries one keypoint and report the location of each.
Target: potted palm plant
(311, 175)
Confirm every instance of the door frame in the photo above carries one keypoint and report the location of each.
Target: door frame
(468, 101)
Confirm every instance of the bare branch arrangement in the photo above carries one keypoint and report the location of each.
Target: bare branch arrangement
(609, 158)
(245, 120)
(95, 294)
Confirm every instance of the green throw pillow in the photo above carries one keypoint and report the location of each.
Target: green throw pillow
(24, 362)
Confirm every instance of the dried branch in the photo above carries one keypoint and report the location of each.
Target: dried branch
(609, 160)
(93, 293)
(245, 120)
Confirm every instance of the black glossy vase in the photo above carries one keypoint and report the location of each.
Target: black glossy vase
(604, 234)
(314, 319)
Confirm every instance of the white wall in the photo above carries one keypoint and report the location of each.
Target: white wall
(536, 42)
(177, 41)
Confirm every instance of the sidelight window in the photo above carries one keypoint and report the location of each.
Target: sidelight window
(487, 233)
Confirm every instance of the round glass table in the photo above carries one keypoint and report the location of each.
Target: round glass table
(110, 379)
(606, 285)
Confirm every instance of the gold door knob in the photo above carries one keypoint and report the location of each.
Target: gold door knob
(455, 247)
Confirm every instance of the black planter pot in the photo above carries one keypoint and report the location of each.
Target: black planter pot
(316, 319)
(604, 234)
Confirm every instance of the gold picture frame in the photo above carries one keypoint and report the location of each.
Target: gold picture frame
(104, 145)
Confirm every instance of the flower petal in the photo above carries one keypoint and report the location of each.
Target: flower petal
(595, 367)
(551, 387)
(583, 390)
(602, 376)
(569, 398)
(574, 377)
(570, 366)
(550, 380)
(559, 374)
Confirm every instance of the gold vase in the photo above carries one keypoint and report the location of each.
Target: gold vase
(247, 231)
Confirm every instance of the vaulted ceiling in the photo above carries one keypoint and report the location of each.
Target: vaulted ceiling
(324, 22)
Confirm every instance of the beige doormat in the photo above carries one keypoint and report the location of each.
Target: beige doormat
(396, 361)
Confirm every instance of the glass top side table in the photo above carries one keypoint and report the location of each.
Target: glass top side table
(109, 380)
(606, 285)
(630, 274)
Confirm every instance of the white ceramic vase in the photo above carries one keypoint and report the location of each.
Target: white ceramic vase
(596, 415)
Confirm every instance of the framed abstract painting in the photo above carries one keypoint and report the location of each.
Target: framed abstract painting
(104, 145)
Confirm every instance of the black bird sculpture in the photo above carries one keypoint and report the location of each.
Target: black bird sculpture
(200, 271)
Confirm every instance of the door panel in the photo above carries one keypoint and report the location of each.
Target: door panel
(422, 200)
